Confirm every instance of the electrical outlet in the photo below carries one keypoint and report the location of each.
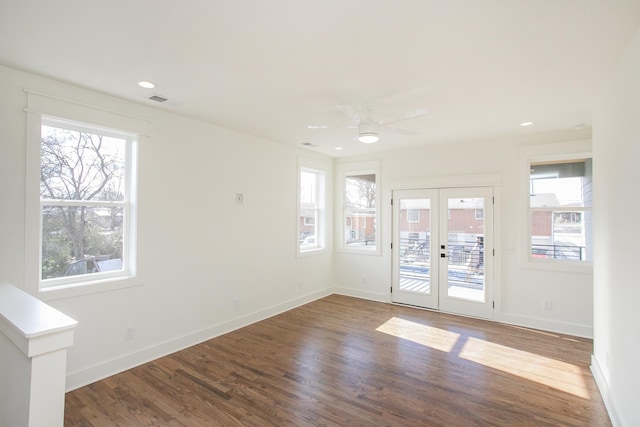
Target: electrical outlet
(546, 304)
(239, 198)
(129, 333)
(236, 303)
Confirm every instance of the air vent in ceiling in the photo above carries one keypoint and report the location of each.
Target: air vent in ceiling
(157, 98)
(309, 144)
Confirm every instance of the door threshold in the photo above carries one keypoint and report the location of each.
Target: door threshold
(436, 310)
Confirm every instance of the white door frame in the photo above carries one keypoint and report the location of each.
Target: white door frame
(480, 180)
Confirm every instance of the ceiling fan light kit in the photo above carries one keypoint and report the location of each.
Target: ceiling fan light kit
(368, 137)
(368, 131)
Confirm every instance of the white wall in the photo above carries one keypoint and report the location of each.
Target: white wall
(14, 370)
(617, 233)
(208, 265)
(521, 291)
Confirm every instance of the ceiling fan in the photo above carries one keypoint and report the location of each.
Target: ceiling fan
(368, 128)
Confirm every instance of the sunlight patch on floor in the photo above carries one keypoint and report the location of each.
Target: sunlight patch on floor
(530, 366)
(418, 333)
(553, 373)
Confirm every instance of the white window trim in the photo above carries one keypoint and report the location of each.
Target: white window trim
(39, 107)
(322, 169)
(349, 169)
(548, 153)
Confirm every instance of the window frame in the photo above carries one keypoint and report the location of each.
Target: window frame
(319, 208)
(344, 171)
(128, 263)
(549, 153)
(52, 111)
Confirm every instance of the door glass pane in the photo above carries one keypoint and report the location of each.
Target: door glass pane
(415, 250)
(465, 235)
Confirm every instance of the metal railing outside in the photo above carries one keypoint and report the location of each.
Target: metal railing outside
(460, 253)
(576, 253)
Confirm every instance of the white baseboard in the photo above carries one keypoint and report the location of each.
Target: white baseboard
(547, 325)
(359, 293)
(605, 391)
(111, 367)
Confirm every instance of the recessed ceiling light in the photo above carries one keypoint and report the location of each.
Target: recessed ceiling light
(146, 85)
(579, 126)
(525, 124)
(338, 148)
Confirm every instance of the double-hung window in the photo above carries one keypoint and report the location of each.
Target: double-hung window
(81, 197)
(85, 202)
(560, 196)
(360, 214)
(311, 209)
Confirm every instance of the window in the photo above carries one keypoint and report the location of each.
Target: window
(413, 215)
(360, 213)
(560, 204)
(311, 213)
(86, 192)
(80, 210)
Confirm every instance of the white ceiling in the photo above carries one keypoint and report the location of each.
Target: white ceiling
(273, 68)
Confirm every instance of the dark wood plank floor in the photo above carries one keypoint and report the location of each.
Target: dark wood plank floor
(342, 361)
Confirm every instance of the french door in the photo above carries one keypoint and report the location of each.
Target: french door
(443, 249)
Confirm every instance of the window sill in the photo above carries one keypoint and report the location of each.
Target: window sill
(360, 250)
(88, 287)
(580, 267)
(311, 252)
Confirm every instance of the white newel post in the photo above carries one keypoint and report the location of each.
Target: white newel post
(33, 357)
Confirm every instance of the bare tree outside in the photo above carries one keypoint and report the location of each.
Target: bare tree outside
(361, 191)
(82, 175)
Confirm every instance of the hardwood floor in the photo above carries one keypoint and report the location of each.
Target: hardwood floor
(342, 361)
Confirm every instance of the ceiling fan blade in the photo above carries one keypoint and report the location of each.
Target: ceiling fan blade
(349, 112)
(406, 132)
(316, 127)
(405, 116)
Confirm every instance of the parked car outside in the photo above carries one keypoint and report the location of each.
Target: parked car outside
(93, 265)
